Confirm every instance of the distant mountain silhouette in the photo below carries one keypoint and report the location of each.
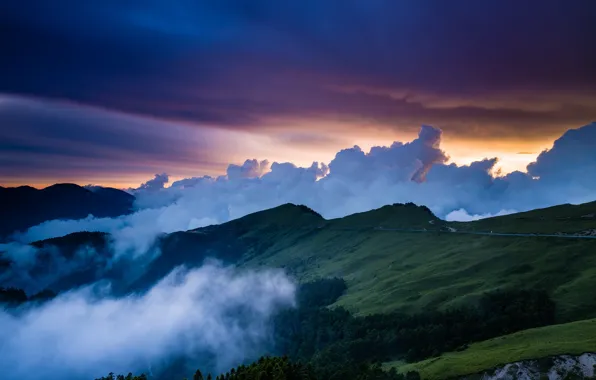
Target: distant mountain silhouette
(23, 207)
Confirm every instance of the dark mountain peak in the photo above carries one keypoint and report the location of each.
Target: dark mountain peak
(24, 206)
(64, 187)
(397, 215)
(411, 207)
(289, 211)
(19, 189)
(287, 214)
(299, 209)
(23, 188)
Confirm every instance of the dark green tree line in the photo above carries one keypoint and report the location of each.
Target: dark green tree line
(12, 297)
(314, 329)
(314, 341)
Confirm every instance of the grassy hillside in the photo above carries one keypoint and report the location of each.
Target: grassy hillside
(563, 218)
(389, 270)
(393, 270)
(391, 216)
(571, 338)
(408, 271)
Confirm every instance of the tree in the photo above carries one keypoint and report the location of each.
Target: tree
(198, 375)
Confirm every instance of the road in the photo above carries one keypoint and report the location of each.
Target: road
(491, 233)
(471, 233)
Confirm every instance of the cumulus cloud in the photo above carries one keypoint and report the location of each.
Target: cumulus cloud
(156, 183)
(250, 169)
(212, 311)
(190, 182)
(571, 159)
(354, 181)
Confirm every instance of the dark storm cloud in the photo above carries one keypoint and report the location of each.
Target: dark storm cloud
(48, 139)
(240, 63)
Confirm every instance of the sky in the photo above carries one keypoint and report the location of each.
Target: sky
(115, 91)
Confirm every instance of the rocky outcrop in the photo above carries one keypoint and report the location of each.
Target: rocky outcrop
(551, 368)
(590, 232)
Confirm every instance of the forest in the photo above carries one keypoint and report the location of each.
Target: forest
(282, 368)
(314, 341)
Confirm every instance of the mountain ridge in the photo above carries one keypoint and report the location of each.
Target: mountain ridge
(24, 206)
(390, 270)
(385, 270)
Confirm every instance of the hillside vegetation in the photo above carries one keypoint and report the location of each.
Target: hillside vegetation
(395, 270)
(413, 271)
(570, 338)
(401, 260)
(565, 218)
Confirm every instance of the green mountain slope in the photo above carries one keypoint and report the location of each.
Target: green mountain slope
(562, 218)
(410, 271)
(403, 258)
(386, 271)
(399, 270)
(572, 338)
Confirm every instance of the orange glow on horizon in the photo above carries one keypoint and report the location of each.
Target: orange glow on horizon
(241, 145)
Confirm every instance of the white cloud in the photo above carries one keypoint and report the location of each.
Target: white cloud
(462, 215)
(84, 334)
(132, 234)
(156, 183)
(354, 181)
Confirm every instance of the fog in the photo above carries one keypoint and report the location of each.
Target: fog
(86, 333)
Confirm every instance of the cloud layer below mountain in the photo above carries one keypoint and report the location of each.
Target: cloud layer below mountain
(85, 333)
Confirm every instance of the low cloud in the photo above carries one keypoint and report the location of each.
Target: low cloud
(211, 311)
(462, 215)
(25, 260)
(131, 235)
(131, 241)
(34, 269)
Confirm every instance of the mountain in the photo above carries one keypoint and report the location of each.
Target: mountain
(23, 207)
(389, 266)
(402, 258)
